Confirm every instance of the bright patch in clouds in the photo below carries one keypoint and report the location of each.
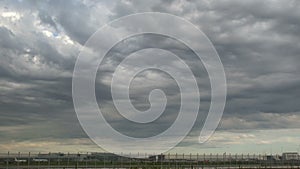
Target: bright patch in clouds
(13, 16)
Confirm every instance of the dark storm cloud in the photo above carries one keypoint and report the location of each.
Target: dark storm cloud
(258, 43)
(7, 39)
(47, 19)
(139, 93)
(78, 19)
(76, 22)
(35, 80)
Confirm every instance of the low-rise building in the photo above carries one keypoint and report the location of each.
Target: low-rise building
(290, 156)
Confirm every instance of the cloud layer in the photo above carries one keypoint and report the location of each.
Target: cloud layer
(258, 43)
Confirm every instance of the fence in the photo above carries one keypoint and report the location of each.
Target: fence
(140, 160)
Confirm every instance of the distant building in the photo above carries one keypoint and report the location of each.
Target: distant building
(272, 158)
(290, 156)
(157, 158)
(62, 157)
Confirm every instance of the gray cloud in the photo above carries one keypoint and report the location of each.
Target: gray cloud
(258, 43)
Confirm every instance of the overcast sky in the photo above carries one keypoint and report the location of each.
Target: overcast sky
(257, 41)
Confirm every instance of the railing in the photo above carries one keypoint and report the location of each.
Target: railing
(108, 160)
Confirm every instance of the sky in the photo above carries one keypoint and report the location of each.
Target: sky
(257, 42)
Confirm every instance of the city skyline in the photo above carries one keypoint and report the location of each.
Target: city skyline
(258, 44)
